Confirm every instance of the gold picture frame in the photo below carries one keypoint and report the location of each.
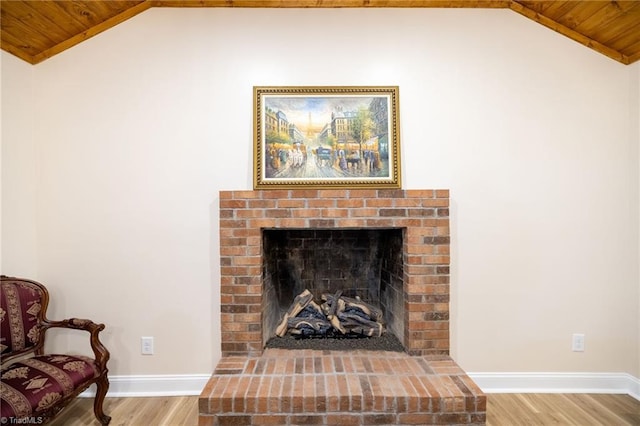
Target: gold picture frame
(326, 137)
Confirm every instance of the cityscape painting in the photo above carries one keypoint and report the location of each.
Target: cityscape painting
(326, 137)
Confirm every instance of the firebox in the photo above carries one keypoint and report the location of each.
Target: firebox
(364, 264)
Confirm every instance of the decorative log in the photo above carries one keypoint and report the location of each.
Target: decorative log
(316, 309)
(299, 303)
(334, 309)
(334, 305)
(308, 326)
(371, 311)
(335, 323)
(357, 324)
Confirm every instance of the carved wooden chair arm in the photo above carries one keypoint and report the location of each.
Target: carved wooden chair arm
(100, 351)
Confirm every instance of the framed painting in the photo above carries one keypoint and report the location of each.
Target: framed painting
(326, 137)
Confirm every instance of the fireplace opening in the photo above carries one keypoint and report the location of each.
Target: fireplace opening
(358, 264)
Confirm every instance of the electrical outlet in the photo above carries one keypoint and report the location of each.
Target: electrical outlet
(577, 342)
(146, 345)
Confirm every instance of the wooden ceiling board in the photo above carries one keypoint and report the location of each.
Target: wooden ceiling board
(554, 9)
(37, 30)
(577, 15)
(48, 32)
(605, 16)
(25, 26)
(49, 19)
(628, 20)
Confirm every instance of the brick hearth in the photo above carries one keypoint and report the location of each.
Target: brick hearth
(307, 387)
(254, 386)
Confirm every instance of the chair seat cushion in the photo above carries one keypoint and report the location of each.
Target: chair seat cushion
(36, 384)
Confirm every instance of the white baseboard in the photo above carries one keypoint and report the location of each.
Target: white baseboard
(155, 385)
(621, 383)
(192, 384)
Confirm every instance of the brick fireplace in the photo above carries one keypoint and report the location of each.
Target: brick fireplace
(423, 385)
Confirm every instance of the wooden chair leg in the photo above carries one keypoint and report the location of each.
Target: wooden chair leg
(101, 393)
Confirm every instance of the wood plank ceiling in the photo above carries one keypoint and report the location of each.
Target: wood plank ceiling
(37, 30)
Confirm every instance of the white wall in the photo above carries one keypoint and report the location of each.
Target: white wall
(19, 170)
(635, 123)
(138, 129)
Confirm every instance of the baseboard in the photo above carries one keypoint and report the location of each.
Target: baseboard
(620, 383)
(192, 384)
(155, 385)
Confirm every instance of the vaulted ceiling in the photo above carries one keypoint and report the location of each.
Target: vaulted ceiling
(37, 30)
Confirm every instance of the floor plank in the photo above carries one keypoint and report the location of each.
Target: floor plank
(502, 410)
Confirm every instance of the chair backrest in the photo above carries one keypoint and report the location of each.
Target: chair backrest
(23, 306)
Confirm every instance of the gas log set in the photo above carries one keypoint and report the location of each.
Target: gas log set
(334, 316)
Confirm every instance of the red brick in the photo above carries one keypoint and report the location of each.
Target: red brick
(355, 392)
(423, 193)
(364, 193)
(306, 213)
(350, 223)
(234, 420)
(343, 391)
(304, 193)
(291, 204)
(350, 203)
(344, 419)
(307, 419)
(322, 203)
(204, 420)
(249, 214)
(260, 206)
(415, 418)
(379, 202)
(379, 419)
(291, 223)
(262, 223)
(269, 420)
(309, 393)
(367, 212)
(408, 202)
(275, 194)
(244, 194)
(442, 193)
(332, 193)
(233, 204)
(333, 398)
(380, 223)
(286, 393)
(275, 395)
(335, 213)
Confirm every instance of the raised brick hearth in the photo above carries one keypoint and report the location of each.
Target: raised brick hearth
(254, 386)
(307, 387)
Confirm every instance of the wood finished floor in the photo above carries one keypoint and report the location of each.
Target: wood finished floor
(502, 410)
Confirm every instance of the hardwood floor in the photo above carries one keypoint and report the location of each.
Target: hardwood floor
(562, 409)
(502, 410)
(157, 411)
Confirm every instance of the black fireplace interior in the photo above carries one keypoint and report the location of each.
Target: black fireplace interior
(367, 263)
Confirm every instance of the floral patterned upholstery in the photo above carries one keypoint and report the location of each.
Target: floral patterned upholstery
(35, 386)
(20, 313)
